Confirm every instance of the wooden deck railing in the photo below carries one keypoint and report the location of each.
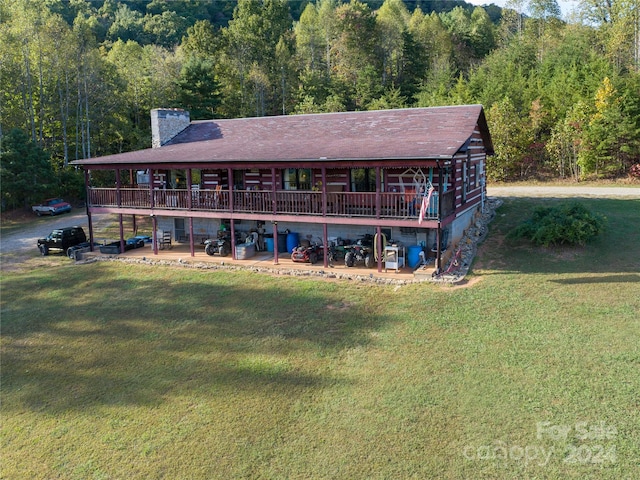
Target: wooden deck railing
(356, 204)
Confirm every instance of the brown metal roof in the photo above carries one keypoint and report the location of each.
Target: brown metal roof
(413, 133)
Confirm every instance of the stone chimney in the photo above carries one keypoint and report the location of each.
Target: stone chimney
(166, 123)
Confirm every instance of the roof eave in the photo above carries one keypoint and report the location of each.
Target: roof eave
(93, 164)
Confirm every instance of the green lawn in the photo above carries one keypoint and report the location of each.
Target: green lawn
(134, 372)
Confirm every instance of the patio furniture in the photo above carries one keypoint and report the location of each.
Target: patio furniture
(164, 239)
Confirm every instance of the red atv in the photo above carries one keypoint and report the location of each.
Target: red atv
(309, 254)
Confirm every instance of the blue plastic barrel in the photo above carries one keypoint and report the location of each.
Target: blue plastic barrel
(292, 241)
(282, 242)
(413, 255)
(268, 241)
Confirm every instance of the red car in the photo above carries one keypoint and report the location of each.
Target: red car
(52, 206)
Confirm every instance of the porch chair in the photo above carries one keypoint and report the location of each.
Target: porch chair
(164, 239)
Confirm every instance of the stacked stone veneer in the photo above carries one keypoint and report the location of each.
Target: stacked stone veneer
(166, 123)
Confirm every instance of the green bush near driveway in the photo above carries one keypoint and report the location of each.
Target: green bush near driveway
(563, 224)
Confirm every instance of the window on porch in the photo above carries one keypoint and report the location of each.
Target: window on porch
(363, 179)
(296, 179)
(196, 178)
(238, 179)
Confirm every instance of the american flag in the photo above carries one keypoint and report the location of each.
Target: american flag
(425, 205)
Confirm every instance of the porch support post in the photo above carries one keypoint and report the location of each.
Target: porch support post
(378, 189)
(154, 223)
(324, 202)
(439, 231)
(191, 244)
(230, 176)
(232, 224)
(189, 194)
(134, 222)
(274, 202)
(119, 203)
(189, 206)
(379, 248)
(325, 239)
(90, 224)
(89, 219)
(118, 185)
(275, 243)
(151, 199)
(233, 238)
(121, 233)
(154, 220)
(438, 252)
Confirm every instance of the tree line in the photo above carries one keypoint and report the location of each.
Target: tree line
(79, 77)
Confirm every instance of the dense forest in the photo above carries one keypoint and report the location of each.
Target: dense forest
(79, 77)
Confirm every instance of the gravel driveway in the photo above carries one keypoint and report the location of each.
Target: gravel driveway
(566, 192)
(27, 237)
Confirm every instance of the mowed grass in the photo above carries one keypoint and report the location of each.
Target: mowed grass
(131, 371)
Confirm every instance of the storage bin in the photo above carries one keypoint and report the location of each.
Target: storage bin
(268, 241)
(292, 241)
(413, 255)
(282, 242)
(245, 250)
(112, 248)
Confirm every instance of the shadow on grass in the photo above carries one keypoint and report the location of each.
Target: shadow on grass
(613, 278)
(614, 252)
(107, 335)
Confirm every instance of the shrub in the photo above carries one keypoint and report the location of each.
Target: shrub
(565, 224)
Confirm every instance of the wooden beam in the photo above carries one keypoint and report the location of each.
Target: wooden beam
(315, 219)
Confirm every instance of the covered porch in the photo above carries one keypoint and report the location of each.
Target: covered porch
(390, 205)
(264, 262)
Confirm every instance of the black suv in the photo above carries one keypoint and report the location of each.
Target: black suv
(62, 239)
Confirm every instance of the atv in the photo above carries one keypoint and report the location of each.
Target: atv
(220, 245)
(309, 254)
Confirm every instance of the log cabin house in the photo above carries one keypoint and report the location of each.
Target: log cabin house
(415, 175)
